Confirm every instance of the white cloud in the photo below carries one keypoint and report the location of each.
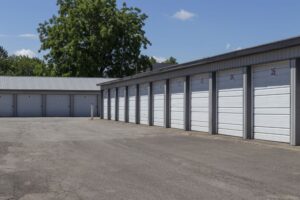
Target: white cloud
(184, 15)
(25, 52)
(29, 36)
(159, 59)
(239, 48)
(228, 45)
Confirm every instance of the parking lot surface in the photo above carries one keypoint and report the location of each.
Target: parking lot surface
(80, 159)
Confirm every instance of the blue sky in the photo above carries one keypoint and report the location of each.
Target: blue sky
(185, 29)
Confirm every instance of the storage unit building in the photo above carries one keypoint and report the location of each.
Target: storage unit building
(49, 96)
(113, 104)
(252, 93)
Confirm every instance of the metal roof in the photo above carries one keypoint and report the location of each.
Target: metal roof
(282, 44)
(50, 83)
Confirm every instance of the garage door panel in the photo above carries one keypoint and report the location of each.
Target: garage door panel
(228, 126)
(272, 111)
(121, 111)
(282, 100)
(6, 105)
(144, 103)
(82, 105)
(231, 118)
(272, 137)
(132, 104)
(230, 93)
(231, 110)
(230, 102)
(199, 102)
(199, 116)
(235, 133)
(58, 105)
(280, 121)
(271, 90)
(158, 103)
(29, 105)
(203, 128)
(273, 130)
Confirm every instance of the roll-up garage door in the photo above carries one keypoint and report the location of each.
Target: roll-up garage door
(144, 103)
(29, 105)
(6, 105)
(58, 105)
(82, 105)
(132, 103)
(159, 103)
(177, 103)
(272, 107)
(105, 104)
(121, 110)
(230, 102)
(199, 102)
(113, 104)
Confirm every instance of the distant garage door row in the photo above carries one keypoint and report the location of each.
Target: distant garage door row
(215, 102)
(47, 105)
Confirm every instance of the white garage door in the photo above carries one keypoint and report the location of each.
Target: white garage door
(132, 103)
(29, 105)
(58, 106)
(177, 102)
(82, 105)
(6, 105)
(199, 102)
(121, 110)
(159, 103)
(144, 104)
(230, 102)
(113, 104)
(272, 108)
(105, 104)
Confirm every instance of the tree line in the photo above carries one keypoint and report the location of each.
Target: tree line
(88, 38)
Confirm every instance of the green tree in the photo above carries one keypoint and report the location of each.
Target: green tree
(25, 66)
(3, 53)
(171, 60)
(95, 38)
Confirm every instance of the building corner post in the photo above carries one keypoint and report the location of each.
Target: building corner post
(213, 103)
(150, 102)
(126, 104)
(137, 104)
(187, 104)
(116, 104)
(167, 104)
(295, 102)
(247, 84)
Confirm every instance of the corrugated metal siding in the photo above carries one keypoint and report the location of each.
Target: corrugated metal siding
(50, 83)
(262, 58)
